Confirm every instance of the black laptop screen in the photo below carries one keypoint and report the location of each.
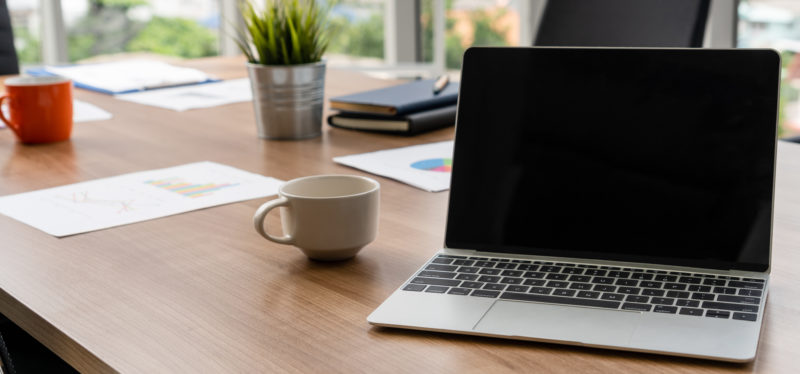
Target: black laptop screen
(658, 156)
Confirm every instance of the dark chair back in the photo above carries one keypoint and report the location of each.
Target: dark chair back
(8, 54)
(623, 23)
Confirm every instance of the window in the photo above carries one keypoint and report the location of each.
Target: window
(183, 28)
(26, 21)
(357, 37)
(776, 24)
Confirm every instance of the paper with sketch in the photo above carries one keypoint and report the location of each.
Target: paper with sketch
(81, 112)
(424, 166)
(193, 97)
(135, 197)
(126, 76)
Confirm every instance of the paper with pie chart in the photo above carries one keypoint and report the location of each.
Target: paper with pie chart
(425, 166)
(124, 199)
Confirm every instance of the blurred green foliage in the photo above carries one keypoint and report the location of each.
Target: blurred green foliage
(363, 38)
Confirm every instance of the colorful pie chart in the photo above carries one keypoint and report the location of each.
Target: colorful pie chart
(434, 164)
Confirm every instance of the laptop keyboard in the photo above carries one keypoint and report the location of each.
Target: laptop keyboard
(644, 290)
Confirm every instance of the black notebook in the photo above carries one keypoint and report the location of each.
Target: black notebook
(409, 124)
(398, 100)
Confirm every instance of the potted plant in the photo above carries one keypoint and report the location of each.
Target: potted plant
(284, 43)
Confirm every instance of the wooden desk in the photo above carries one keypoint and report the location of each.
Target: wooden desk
(202, 292)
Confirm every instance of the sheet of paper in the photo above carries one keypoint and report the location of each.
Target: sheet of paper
(85, 112)
(424, 166)
(193, 97)
(81, 112)
(130, 75)
(135, 197)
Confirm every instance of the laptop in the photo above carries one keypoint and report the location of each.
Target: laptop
(613, 198)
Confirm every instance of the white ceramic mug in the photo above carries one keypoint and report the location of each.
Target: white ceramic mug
(329, 217)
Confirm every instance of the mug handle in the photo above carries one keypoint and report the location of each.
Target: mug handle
(261, 213)
(3, 116)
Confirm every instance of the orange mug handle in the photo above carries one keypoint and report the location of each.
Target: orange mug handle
(3, 116)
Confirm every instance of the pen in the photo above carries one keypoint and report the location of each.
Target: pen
(440, 84)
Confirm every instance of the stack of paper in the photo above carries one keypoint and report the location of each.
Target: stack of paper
(126, 76)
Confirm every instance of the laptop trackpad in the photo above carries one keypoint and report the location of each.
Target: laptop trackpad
(554, 322)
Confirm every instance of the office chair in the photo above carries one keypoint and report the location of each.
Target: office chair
(793, 139)
(623, 23)
(8, 54)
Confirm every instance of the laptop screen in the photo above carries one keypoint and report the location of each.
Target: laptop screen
(662, 156)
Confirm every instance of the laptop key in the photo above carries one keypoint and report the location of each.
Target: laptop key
(588, 294)
(563, 292)
(534, 274)
(517, 288)
(525, 267)
(650, 284)
(580, 278)
(629, 290)
(414, 287)
(595, 272)
(550, 269)
(440, 267)
(467, 277)
(731, 307)
(691, 312)
(725, 290)
(580, 286)
(679, 294)
(637, 306)
(437, 274)
(436, 289)
(603, 280)
(691, 280)
(699, 288)
(557, 284)
(675, 286)
(534, 282)
(745, 316)
(494, 286)
(485, 293)
(750, 285)
(540, 290)
(619, 274)
(572, 271)
(489, 271)
(506, 265)
(489, 278)
(626, 282)
(642, 276)
(662, 301)
(665, 309)
(604, 288)
(464, 262)
(714, 282)
(472, 284)
(739, 299)
(702, 296)
(652, 292)
(511, 273)
(436, 281)
(555, 276)
(560, 300)
(441, 260)
(613, 296)
(717, 314)
(689, 303)
(665, 278)
(636, 299)
(746, 292)
(511, 280)
(484, 264)
(459, 291)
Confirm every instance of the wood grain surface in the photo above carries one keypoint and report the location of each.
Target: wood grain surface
(203, 292)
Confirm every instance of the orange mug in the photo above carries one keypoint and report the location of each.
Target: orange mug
(40, 108)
